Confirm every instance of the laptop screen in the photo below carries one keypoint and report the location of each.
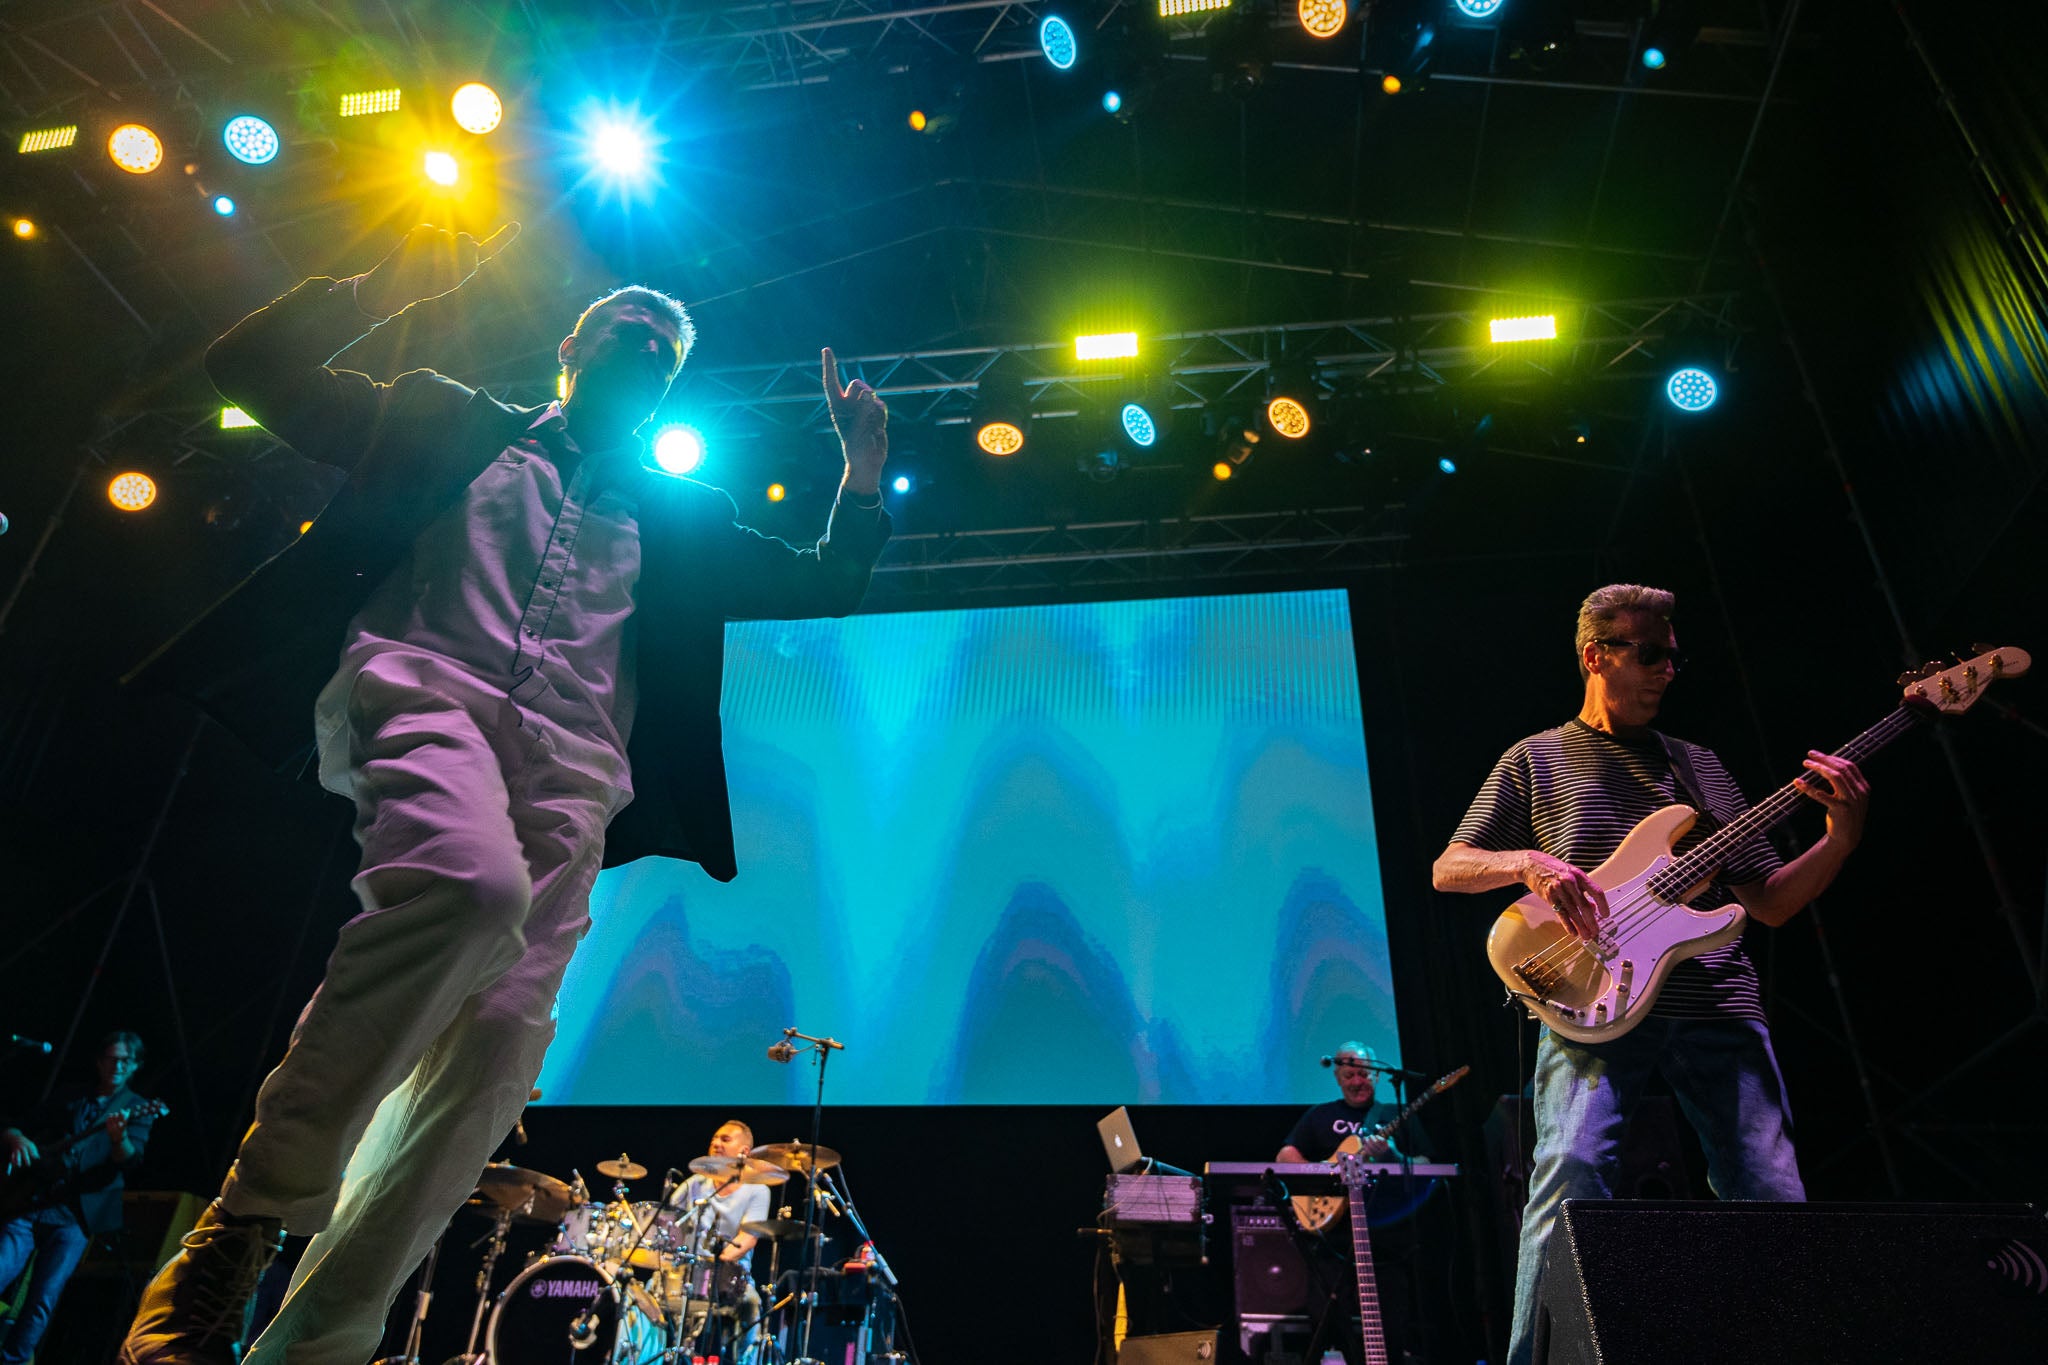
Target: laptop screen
(1119, 1141)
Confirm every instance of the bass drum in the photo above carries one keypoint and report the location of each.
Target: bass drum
(534, 1321)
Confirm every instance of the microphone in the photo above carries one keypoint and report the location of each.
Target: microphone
(832, 1205)
(28, 1044)
(582, 1330)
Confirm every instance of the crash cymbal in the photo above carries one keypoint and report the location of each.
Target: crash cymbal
(777, 1229)
(796, 1156)
(749, 1170)
(531, 1196)
(625, 1168)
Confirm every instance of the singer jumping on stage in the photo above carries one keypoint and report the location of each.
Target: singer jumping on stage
(530, 629)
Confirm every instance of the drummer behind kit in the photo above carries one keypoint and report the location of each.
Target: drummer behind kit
(625, 1282)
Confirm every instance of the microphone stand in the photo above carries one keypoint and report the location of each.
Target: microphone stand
(822, 1048)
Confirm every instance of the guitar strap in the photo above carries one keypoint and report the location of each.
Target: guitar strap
(1688, 780)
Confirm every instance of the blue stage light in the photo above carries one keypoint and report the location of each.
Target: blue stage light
(1138, 425)
(622, 148)
(1691, 389)
(250, 140)
(1653, 57)
(1479, 9)
(224, 206)
(1447, 465)
(679, 449)
(1111, 101)
(1056, 40)
(903, 483)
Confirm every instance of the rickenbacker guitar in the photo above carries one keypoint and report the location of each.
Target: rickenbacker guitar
(1317, 1211)
(1595, 990)
(39, 1183)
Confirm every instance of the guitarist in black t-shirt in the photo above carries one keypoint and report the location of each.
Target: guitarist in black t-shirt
(1319, 1132)
(62, 1191)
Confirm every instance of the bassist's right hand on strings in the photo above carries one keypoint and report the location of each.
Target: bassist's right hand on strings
(1570, 892)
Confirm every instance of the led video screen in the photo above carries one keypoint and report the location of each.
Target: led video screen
(1108, 853)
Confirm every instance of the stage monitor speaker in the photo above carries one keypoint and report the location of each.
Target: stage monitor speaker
(1271, 1278)
(1933, 1284)
(1174, 1348)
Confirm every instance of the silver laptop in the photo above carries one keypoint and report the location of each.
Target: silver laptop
(1119, 1141)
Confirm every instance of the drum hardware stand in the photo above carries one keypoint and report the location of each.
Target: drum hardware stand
(500, 1225)
(823, 1048)
(411, 1354)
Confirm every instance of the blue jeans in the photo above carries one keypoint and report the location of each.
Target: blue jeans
(58, 1241)
(1726, 1079)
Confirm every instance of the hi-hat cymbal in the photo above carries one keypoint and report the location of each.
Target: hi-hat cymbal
(530, 1196)
(796, 1157)
(625, 1168)
(777, 1229)
(749, 1170)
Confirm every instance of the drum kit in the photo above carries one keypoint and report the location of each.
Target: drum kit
(629, 1282)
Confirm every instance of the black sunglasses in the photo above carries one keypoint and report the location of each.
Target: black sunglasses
(1649, 653)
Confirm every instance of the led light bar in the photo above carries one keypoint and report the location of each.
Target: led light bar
(1106, 346)
(1542, 328)
(48, 139)
(1169, 9)
(370, 102)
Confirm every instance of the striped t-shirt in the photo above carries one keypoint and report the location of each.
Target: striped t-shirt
(1575, 792)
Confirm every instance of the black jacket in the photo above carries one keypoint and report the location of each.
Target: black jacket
(256, 659)
(92, 1181)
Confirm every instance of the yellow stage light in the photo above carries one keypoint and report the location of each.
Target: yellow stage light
(776, 492)
(1106, 346)
(370, 102)
(1000, 438)
(1288, 417)
(48, 139)
(1543, 328)
(441, 168)
(1222, 470)
(1322, 18)
(135, 149)
(24, 228)
(477, 108)
(234, 419)
(305, 526)
(1391, 83)
(917, 120)
(131, 492)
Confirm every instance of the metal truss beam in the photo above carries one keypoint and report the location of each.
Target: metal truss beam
(1612, 340)
(1117, 555)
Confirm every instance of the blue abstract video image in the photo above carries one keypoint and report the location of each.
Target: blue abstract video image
(1084, 854)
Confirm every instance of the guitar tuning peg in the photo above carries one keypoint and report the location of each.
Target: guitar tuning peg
(1981, 648)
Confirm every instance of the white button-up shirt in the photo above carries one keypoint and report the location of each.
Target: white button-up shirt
(521, 592)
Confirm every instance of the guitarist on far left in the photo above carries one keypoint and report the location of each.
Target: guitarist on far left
(53, 1203)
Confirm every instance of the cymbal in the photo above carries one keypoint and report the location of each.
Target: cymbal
(749, 1170)
(795, 1157)
(625, 1168)
(776, 1229)
(531, 1196)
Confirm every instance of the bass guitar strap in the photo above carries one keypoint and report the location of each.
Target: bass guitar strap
(1688, 780)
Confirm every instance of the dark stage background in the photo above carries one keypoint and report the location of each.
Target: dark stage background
(1867, 493)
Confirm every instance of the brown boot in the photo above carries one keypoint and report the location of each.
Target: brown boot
(196, 1310)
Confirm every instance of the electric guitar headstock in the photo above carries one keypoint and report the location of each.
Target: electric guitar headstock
(1955, 689)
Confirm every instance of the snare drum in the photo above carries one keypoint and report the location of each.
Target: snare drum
(534, 1321)
(703, 1284)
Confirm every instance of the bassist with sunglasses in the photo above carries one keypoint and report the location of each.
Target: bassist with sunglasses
(1563, 801)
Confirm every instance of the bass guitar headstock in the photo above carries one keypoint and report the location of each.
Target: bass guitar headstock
(1955, 689)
